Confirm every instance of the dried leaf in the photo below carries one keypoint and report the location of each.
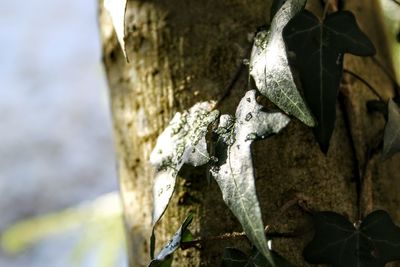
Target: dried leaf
(183, 141)
(319, 47)
(164, 257)
(270, 68)
(234, 171)
(391, 138)
(117, 9)
(338, 242)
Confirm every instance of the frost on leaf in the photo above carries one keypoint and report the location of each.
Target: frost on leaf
(269, 65)
(391, 139)
(117, 9)
(183, 141)
(234, 170)
(164, 257)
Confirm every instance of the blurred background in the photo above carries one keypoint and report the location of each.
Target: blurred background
(58, 205)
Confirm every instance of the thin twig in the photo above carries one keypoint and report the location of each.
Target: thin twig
(239, 70)
(370, 87)
(370, 153)
(300, 200)
(326, 7)
(236, 235)
(329, 6)
(358, 172)
(388, 74)
(231, 84)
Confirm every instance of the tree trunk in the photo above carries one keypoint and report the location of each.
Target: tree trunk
(185, 51)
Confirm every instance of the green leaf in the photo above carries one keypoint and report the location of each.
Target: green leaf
(338, 242)
(164, 257)
(270, 68)
(319, 47)
(187, 236)
(183, 141)
(116, 9)
(391, 138)
(234, 170)
(165, 263)
(236, 258)
(152, 243)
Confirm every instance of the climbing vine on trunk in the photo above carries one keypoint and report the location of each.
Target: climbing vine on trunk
(296, 43)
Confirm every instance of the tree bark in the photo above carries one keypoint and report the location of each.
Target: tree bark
(185, 51)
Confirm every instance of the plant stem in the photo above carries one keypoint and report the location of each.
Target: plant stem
(370, 87)
(388, 74)
(239, 70)
(357, 170)
(237, 235)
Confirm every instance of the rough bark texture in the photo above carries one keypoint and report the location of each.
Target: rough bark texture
(185, 51)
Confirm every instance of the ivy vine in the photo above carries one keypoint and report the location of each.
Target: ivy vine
(297, 41)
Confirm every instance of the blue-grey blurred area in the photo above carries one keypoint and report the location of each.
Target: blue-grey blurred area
(56, 146)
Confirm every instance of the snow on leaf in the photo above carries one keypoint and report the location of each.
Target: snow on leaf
(391, 139)
(183, 141)
(234, 170)
(270, 68)
(117, 9)
(337, 242)
(163, 258)
(319, 47)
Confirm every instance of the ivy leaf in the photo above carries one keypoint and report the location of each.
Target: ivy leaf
(391, 138)
(234, 171)
(164, 257)
(270, 68)
(319, 47)
(276, 5)
(116, 9)
(183, 141)
(373, 242)
(236, 258)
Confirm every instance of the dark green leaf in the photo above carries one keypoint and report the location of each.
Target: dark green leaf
(319, 47)
(391, 139)
(234, 170)
(236, 258)
(165, 263)
(270, 68)
(164, 257)
(339, 243)
(187, 236)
